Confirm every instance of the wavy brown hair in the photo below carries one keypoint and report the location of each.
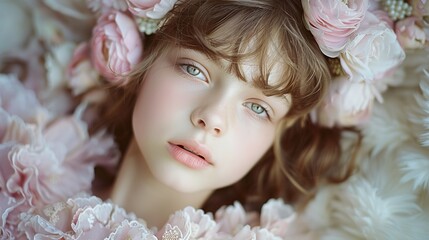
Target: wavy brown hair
(272, 32)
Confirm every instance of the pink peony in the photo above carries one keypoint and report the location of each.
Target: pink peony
(332, 22)
(80, 72)
(155, 9)
(410, 35)
(373, 51)
(116, 45)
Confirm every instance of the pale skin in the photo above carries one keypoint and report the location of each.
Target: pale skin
(197, 128)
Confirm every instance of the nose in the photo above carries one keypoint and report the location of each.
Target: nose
(211, 119)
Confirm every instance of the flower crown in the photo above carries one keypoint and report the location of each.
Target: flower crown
(363, 40)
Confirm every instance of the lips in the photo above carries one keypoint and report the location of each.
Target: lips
(190, 153)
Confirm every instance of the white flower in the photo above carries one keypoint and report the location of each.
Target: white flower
(372, 52)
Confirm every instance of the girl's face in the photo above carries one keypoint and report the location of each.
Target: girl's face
(198, 126)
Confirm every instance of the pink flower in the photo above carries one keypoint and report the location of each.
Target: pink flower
(39, 166)
(189, 224)
(231, 218)
(276, 217)
(80, 72)
(116, 45)
(155, 9)
(348, 103)
(372, 51)
(82, 218)
(20, 101)
(332, 22)
(410, 35)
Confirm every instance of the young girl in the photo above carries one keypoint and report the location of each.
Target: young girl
(218, 111)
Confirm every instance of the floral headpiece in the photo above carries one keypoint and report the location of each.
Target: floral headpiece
(363, 40)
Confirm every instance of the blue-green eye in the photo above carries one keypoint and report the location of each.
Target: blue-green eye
(258, 109)
(193, 71)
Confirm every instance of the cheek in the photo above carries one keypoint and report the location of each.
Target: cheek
(247, 149)
(158, 100)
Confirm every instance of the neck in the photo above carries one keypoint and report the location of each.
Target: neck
(138, 191)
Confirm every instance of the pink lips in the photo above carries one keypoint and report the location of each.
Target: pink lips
(190, 153)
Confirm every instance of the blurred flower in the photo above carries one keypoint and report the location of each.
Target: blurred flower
(421, 9)
(72, 8)
(332, 22)
(107, 5)
(155, 9)
(116, 45)
(348, 103)
(276, 216)
(18, 14)
(21, 102)
(231, 218)
(80, 72)
(372, 51)
(56, 62)
(53, 27)
(410, 35)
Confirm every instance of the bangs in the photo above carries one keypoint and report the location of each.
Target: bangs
(271, 35)
(227, 30)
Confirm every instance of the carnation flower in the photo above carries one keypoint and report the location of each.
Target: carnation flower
(116, 45)
(332, 22)
(189, 224)
(82, 218)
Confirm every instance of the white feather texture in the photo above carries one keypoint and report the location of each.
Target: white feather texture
(388, 197)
